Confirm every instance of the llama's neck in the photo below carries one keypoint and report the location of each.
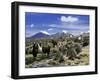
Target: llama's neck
(39, 48)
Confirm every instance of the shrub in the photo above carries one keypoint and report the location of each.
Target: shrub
(71, 52)
(28, 66)
(63, 49)
(84, 55)
(29, 59)
(85, 41)
(58, 57)
(41, 56)
(53, 62)
(54, 42)
(77, 47)
(77, 40)
(28, 51)
(73, 49)
(54, 50)
(61, 58)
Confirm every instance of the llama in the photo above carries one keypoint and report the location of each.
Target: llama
(38, 48)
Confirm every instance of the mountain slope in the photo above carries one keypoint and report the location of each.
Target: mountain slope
(40, 35)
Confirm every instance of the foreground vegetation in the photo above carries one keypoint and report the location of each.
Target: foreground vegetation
(64, 52)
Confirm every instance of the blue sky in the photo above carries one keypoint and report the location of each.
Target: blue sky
(53, 23)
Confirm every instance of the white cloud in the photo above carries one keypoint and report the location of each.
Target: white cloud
(32, 25)
(50, 29)
(45, 32)
(69, 19)
(64, 31)
(54, 25)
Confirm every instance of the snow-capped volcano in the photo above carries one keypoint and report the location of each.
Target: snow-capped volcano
(45, 32)
(41, 34)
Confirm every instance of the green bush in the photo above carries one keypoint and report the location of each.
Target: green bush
(58, 57)
(71, 52)
(77, 40)
(63, 49)
(28, 51)
(53, 62)
(29, 59)
(28, 66)
(54, 50)
(73, 49)
(85, 41)
(41, 56)
(61, 58)
(78, 47)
